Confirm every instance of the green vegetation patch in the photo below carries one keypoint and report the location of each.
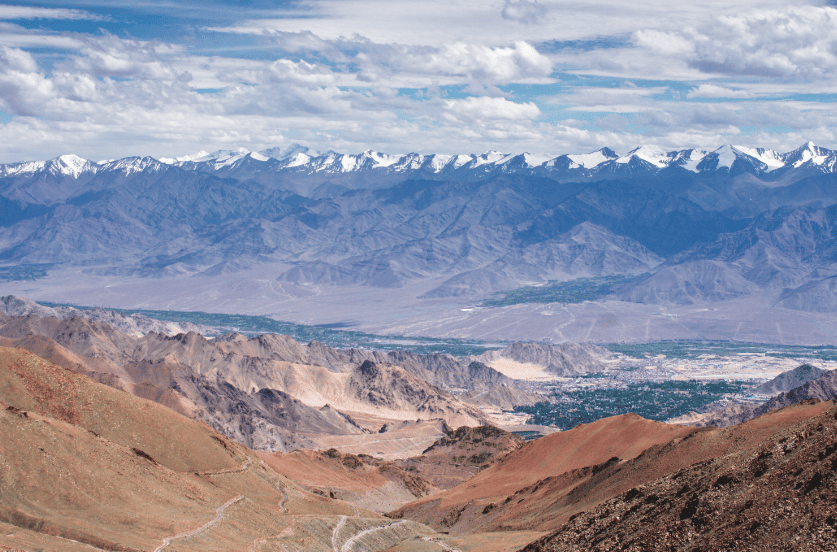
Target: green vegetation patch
(571, 291)
(528, 435)
(652, 400)
(23, 272)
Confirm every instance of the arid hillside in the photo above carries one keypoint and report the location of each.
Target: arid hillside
(82, 465)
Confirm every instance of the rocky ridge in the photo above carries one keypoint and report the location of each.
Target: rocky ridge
(268, 392)
(135, 325)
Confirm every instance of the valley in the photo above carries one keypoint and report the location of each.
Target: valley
(295, 446)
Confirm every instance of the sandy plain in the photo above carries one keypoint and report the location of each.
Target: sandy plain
(403, 311)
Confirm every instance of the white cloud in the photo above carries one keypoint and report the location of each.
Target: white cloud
(110, 56)
(22, 87)
(796, 42)
(715, 91)
(475, 109)
(669, 43)
(29, 12)
(459, 62)
(487, 65)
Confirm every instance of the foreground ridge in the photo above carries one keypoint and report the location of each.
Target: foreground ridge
(780, 496)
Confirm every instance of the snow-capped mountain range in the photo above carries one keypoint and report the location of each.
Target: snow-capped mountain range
(299, 160)
(705, 225)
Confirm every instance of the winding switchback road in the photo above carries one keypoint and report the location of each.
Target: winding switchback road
(219, 515)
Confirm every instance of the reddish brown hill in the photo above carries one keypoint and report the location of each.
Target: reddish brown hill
(551, 456)
(368, 483)
(544, 483)
(776, 494)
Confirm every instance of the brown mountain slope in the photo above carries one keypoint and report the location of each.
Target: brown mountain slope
(366, 482)
(540, 487)
(779, 494)
(83, 465)
(551, 456)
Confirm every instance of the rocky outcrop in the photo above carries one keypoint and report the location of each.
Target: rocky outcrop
(502, 397)
(790, 380)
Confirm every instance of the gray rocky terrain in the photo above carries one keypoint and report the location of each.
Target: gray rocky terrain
(135, 325)
(268, 392)
(790, 380)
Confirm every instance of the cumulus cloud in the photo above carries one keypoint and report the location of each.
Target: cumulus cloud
(280, 71)
(524, 11)
(110, 56)
(462, 62)
(715, 91)
(490, 65)
(486, 109)
(795, 42)
(120, 96)
(22, 87)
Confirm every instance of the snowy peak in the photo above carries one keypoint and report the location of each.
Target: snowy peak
(299, 159)
(70, 165)
(130, 165)
(280, 154)
(769, 158)
(807, 153)
(65, 165)
(650, 154)
(587, 160)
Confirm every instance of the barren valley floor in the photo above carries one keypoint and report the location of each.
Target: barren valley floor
(402, 311)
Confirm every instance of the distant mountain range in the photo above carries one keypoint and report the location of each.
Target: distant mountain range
(695, 225)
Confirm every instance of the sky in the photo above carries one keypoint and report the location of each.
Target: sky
(104, 79)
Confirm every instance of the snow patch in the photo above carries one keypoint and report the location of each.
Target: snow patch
(587, 160)
(652, 154)
(533, 160)
(299, 160)
(439, 161)
(770, 158)
(461, 160)
(348, 163)
(382, 159)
